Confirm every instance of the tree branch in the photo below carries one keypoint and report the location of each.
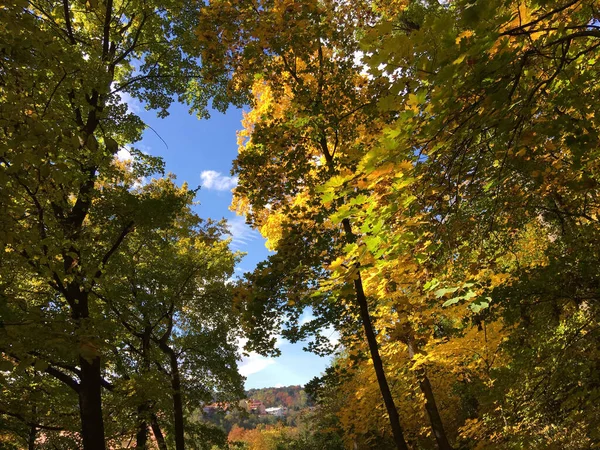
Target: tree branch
(29, 423)
(128, 228)
(106, 38)
(61, 376)
(68, 22)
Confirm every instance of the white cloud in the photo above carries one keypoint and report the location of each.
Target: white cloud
(332, 335)
(359, 62)
(124, 155)
(241, 343)
(142, 181)
(254, 363)
(307, 318)
(241, 233)
(279, 341)
(133, 105)
(212, 179)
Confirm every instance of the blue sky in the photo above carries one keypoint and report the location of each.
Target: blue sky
(200, 152)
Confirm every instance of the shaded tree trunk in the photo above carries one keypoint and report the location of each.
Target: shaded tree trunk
(90, 404)
(378, 366)
(437, 426)
(141, 437)
(90, 386)
(160, 439)
(143, 410)
(177, 403)
(32, 431)
(31, 438)
(177, 396)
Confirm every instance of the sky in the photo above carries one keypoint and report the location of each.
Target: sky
(200, 152)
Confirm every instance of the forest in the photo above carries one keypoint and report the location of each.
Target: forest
(426, 174)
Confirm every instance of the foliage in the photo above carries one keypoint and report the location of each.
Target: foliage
(463, 165)
(70, 211)
(426, 174)
(293, 397)
(282, 438)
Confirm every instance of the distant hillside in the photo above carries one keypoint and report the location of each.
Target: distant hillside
(293, 397)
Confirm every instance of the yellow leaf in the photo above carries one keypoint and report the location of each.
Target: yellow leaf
(464, 34)
(460, 59)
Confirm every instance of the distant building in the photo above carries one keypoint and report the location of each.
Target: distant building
(253, 406)
(279, 412)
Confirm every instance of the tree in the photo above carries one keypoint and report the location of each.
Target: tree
(169, 289)
(64, 66)
(313, 119)
(467, 175)
(484, 103)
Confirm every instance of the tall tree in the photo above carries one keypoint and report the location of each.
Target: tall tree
(169, 288)
(64, 65)
(488, 101)
(308, 125)
(480, 149)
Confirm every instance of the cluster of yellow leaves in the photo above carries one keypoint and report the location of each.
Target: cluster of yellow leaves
(263, 437)
(446, 187)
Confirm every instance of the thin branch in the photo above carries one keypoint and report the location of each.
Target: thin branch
(68, 22)
(30, 423)
(126, 230)
(54, 92)
(61, 376)
(158, 135)
(133, 45)
(570, 37)
(539, 19)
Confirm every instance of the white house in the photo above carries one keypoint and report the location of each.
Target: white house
(279, 412)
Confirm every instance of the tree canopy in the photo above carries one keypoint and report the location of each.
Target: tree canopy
(425, 174)
(72, 212)
(439, 158)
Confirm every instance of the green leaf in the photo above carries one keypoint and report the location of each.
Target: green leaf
(328, 197)
(111, 145)
(460, 59)
(343, 213)
(469, 295)
(452, 301)
(445, 291)
(431, 284)
(91, 143)
(480, 305)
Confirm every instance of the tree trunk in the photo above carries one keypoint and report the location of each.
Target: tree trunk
(90, 386)
(90, 404)
(160, 439)
(141, 437)
(143, 409)
(32, 437)
(32, 430)
(437, 425)
(361, 299)
(378, 366)
(177, 397)
(177, 402)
